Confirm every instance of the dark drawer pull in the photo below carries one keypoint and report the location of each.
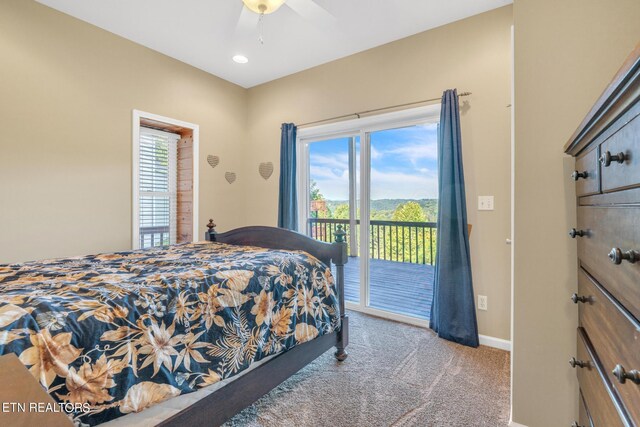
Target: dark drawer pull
(575, 424)
(617, 256)
(622, 375)
(578, 363)
(576, 299)
(577, 233)
(577, 175)
(607, 158)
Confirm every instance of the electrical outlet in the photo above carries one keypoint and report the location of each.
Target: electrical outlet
(485, 203)
(482, 302)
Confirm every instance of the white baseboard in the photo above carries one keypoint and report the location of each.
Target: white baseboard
(496, 343)
(483, 339)
(514, 424)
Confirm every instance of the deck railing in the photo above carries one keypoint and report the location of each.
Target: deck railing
(154, 236)
(411, 242)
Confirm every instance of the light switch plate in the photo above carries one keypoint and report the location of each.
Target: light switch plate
(485, 203)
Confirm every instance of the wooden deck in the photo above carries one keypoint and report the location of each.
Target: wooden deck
(394, 286)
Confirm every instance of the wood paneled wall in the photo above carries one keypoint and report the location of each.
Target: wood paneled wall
(185, 188)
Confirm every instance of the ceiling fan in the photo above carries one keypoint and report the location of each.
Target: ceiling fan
(254, 11)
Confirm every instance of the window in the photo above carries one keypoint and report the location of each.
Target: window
(157, 185)
(165, 181)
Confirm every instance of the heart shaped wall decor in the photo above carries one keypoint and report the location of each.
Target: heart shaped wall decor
(230, 177)
(213, 160)
(265, 169)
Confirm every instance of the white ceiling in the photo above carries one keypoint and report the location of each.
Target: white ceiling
(300, 35)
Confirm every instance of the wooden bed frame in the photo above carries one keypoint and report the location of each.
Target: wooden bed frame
(221, 405)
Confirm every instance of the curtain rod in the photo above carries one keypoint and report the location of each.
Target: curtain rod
(358, 114)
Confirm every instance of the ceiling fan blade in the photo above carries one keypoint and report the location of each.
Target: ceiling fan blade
(312, 11)
(247, 22)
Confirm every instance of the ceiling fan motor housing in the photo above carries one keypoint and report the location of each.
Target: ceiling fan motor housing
(263, 6)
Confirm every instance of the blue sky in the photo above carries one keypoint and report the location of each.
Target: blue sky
(404, 164)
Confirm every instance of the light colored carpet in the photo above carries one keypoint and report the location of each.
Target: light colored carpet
(396, 375)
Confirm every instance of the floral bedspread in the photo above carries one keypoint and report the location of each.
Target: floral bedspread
(117, 333)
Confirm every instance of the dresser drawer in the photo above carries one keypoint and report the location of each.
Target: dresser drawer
(588, 168)
(596, 394)
(615, 336)
(624, 173)
(584, 419)
(607, 228)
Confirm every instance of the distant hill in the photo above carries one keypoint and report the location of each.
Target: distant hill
(384, 208)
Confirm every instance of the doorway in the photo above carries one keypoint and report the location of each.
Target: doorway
(165, 181)
(377, 178)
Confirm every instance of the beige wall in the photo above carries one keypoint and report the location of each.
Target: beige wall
(566, 53)
(472, 55)
(67, 91)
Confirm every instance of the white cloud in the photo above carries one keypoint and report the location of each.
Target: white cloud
(417, 151)
(410, 144)
(384, 185)
(400, 185)
(340, 160)
(331, 186)
(375, 153)
(321, 172)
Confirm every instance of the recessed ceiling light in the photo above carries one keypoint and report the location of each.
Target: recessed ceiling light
(241, 59)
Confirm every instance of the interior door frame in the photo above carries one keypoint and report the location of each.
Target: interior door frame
(362, 127)
(137, 116)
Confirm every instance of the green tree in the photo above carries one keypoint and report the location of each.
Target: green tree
(315, 191)
(320, 210)
(409, 212)
(405, 243)
(326, 213)
(341, 211)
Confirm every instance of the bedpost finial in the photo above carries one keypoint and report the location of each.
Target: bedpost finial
(211, 225)
(340, 234)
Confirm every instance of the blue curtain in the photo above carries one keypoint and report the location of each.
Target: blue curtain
(453, 312)
(288, 201)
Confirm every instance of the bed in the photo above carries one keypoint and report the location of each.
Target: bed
(115, 334)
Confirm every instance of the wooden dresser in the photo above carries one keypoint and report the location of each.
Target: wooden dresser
(606, 148)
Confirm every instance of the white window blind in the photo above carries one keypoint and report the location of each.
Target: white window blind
(158, 161)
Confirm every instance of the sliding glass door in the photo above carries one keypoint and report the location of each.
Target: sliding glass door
(379, 181)
(332, 199)
(403, 205)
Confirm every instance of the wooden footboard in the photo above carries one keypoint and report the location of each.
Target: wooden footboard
(223, 404)
(279, 238)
